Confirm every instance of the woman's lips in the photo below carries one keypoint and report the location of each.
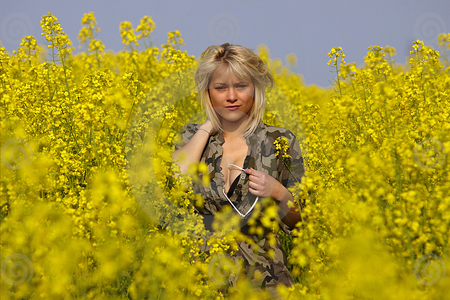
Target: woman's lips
(233, 107)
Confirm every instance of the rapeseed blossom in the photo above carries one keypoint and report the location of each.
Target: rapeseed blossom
(282, 146)
(78, 222)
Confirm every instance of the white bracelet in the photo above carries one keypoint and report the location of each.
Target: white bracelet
(204, 130)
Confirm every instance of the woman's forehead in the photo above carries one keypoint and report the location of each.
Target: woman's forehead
(225, 73)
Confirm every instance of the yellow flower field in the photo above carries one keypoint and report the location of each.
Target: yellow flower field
(90, 209)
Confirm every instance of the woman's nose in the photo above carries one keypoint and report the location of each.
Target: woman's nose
(231, 95)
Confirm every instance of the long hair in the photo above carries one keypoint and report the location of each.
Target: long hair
(245, 64)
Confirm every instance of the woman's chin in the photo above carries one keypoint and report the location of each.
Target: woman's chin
(234, 119)
(231, 116)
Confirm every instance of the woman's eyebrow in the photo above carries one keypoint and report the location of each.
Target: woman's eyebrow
(224, 83)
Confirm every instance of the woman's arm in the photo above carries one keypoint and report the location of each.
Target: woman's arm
(192, 151)
(264, 185)
(290, 215)
(291, 170)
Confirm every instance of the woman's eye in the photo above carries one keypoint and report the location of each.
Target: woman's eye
(241, 86)
(220, 88)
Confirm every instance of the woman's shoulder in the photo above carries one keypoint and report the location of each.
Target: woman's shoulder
(190, 129)
(186, 135)
(193, 126)
(275, 132)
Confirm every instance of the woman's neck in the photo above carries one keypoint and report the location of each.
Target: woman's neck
(233, 130)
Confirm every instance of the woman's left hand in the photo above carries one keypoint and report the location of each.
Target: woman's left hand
(262, 184)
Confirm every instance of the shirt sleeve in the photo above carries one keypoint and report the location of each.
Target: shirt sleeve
(186, 136)
(292, 169)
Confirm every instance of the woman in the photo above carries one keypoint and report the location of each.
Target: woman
(239, 151)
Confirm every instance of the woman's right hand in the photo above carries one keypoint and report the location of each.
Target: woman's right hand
(192, 151)
(208, 126)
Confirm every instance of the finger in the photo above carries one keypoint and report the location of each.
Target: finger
(256, 180)
(253, 191)
(256, 186)
(257, 176)
(253, 172)
(252, 184)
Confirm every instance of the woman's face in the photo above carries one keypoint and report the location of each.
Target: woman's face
(231, 97)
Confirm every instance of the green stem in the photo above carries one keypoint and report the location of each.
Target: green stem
(252, 267)
(4, 109)
(29, 55)
(298, 200)
(20, 70)
(53, 50)
(320, 141)
(95, 145)
(98, 58)
(338, 81)
(74, 133)
(145, 43)
(398, 175)
(388, 118)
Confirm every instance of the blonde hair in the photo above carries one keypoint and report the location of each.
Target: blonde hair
(242, 62)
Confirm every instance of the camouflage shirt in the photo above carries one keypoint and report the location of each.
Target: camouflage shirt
(260, 156)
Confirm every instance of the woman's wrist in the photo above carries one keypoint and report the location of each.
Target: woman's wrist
(208, 132)
(206, 127)
(281, 194)
(278, 191)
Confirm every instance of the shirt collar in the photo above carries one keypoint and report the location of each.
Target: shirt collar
(251, 139)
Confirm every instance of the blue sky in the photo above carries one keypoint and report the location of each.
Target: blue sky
(309, 29)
